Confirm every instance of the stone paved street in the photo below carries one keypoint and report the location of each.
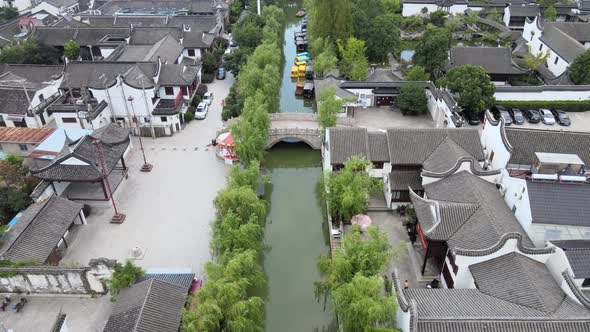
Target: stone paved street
(168, 210)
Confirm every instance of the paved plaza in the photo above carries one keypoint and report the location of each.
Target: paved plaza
(390, 117)
(169, 210)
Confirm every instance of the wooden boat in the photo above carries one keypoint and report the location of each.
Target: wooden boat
(308, 72)
(302, 70)
(294, 72)
(299, 88)
(308, 89)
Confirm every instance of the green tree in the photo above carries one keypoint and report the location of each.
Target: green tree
(412, 99)
(123, 277)
(248, 31)
(243, 202)
(438, 17)
(383, 37)
(353, 64)
(8, 13)
(550, 14)
(226, 301)
(232, 234)
(493, 15)
(235, 8)
(72, 50)
(432, 50)
(580, 69)
(329, 18)
(245, 177)
(12, 201)
(209, 63)
(329, 106)
(361, 305)
(349, 189)
(392, 6)
(234, 61)
(534, 62)
(30, 52)
(417, 73)
(366, 255)
(324, 62)
(473, 85)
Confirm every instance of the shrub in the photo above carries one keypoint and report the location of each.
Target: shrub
(196, 100)
(564, 105)
(207, 77)
(188, 116)
(201, 90)
(123, 277)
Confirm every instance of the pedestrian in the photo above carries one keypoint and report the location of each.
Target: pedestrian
(222, 103)
(406, 284)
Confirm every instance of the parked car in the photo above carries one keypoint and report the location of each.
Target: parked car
(201, 111)
(532, 116)
(507, 118)
(471, 118)
(220, 73)
(547, 117)
(208, 98)
(517, 116)
(561, 117)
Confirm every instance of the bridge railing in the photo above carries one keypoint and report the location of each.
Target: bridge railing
(294, 131)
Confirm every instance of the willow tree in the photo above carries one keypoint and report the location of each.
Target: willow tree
(348, 190)
(242, 201)
(329, 106)
(361, 305)
(226, 301)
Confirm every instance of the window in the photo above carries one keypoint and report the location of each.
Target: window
(2, 123)
(492, 156)
(514, 209)
(586, 282)
(23, 147)
(531, 37)
(163, 119)
(556, 60)
(169, 91)
(191, 52)
(41, 98)
(69, 120)
(541, 47)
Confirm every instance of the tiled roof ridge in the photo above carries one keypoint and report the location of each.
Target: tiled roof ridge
(13, 241)
(147, 294)
(518, 257)
(583, 299)
(472, 163)
(500, 244)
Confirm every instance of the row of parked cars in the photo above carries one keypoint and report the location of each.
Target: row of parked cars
(519, 117)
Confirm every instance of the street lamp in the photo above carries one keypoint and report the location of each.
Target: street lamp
(117, 218)
(146, 166)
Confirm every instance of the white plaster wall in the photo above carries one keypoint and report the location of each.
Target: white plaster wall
(197, 53)
(367, 99)
(326, 153)
(457, 9)
(409, 9)
(531, 34)
(118, 104)
(506, 16)
(20, 5)
(491, 139)
(517, 195)
(547, 94)
(106, 51)
(402, 318)
(162, 92)
(46, 7)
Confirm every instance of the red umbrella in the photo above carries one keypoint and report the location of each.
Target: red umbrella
(362, 220)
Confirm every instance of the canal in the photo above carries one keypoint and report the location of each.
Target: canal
(290, 102)
(296, 235)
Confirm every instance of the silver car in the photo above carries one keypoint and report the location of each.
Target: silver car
(547, 117)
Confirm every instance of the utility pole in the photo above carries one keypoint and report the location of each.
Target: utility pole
(258, 4)
(106, 89)
(117, 218)
(66, 78)
(146, 167)
(147, 108)
(124, 99)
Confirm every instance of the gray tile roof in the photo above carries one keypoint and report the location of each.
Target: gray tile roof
(580, 31)
(196, 22)
(32, 73)
(14, 101)
(61, 3)
(401, 180)
(176, 74)
(331, 82)
(559, 203)
(413, 146)
(348, 142)
(149, 306)
(183, 280)
(84, 36)
(580, 262)
(560, 42)
(97, 74)
(518, 279)
(524, 11)
(445, 156)
(166, 49)
(494, 60)
(448, 213)
(151, 35)
(39, 229)
(111, 134)
(378, 149)
(78, 160)
(526, 142)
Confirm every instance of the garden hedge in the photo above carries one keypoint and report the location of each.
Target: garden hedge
(564, 105)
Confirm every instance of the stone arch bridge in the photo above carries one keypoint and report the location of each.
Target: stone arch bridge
(297, 127)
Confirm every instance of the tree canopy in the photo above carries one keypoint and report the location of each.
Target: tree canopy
(349, 189)
(329, 19)
(412, 99)
(473, 85)
(30, 52)
(123, 277)
(550, 14)
(329, 106)
(383, 37)
(354, 64)
(580, 69)
(432, 50)
(72, 50)
(417, 73)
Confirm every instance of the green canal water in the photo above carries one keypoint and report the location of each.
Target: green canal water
(296, 235)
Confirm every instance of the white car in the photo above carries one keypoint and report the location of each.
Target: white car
(208, 98)
(547, 117)
(201, 111)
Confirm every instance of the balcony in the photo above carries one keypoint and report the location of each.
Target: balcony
(169, 106)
